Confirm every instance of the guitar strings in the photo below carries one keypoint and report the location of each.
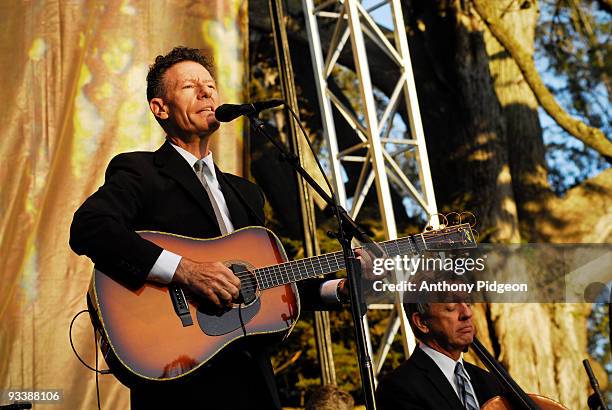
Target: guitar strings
(269, 273)
(278, 275)
(273, 276)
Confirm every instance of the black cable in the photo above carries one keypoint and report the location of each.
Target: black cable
(299, 123)
(242, 324)
(331, 191)
(97, 372)
(105, 371)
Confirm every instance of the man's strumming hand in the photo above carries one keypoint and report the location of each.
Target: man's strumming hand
(211, 281)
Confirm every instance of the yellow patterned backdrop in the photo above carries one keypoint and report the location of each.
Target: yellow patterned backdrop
(72, 77)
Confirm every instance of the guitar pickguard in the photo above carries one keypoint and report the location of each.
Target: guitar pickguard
(235, 318)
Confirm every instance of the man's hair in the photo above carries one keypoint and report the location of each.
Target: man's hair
(422, 309)
(155, 77)
(329, 397)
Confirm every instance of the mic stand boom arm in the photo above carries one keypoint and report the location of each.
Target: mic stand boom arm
(347, 230)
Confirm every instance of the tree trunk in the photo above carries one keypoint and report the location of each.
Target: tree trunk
(520, 113)
(462, 118)
(551, 363)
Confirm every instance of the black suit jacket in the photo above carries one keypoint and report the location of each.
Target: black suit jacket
(154, 191)
(159, 191)
(418, 383)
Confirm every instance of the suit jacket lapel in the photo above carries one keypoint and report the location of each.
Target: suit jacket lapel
(237, 211)
(174, 166)
(437, 378)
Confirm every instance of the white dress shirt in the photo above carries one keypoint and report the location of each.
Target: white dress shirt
(447, 366)
(167, 262)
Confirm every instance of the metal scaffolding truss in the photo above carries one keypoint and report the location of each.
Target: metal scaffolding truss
(386, 155)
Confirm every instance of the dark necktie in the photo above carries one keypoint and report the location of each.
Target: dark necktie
(204, 174)
(465, 393)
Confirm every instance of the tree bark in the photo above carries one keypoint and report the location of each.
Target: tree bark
(464, 128)
(520, 113)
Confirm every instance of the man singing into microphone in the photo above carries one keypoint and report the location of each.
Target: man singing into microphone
(178, 189)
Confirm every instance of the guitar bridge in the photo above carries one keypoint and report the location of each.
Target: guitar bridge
(181, 307)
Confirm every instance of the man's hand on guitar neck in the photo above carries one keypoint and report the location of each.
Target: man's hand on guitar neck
(365, 258)
(211, 281)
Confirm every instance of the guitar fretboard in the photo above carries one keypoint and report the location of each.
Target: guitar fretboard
(295, 271)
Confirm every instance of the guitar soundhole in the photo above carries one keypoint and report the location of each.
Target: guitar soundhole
(248, 289)
(245, 309)
(248, 283)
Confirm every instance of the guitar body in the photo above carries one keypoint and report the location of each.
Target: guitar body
(154, 334)
(145, 340)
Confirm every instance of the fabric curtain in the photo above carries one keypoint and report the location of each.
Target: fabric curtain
(73, 78)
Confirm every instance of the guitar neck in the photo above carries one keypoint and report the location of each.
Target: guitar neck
(295, 271)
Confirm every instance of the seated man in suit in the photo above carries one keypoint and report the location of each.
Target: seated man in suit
(178, 189)
(435, 376)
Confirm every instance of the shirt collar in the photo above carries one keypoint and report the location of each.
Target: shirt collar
(445, 363)
(192, 159)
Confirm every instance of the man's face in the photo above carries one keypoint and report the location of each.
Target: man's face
(190, 101)
(450, 326)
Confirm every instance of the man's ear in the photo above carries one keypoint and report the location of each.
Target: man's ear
(158, 108)
(420, 322)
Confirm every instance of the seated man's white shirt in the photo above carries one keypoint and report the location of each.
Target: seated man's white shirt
(447, 366)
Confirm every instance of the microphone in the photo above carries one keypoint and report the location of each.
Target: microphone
(229, 112)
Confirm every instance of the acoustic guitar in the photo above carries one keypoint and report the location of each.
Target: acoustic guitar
(159, 333)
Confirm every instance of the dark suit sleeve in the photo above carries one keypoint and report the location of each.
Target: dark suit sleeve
(102, 228)
(390, 395)
(310, 295)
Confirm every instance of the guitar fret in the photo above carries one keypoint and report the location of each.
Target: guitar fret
(286, 278)
(283, 271)
(422, 240)
(328, 264)
(275, 274)
(280, 278)
(312, 267)
(301, 265)
(268, 277)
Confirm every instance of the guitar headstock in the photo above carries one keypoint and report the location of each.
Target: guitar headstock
(458, 235)
(450, 237)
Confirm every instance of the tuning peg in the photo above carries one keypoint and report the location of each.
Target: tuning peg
(454, 218)
(476, 234)
(442, 221)
(467, 217)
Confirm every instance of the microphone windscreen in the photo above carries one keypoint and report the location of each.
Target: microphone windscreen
(228, 112)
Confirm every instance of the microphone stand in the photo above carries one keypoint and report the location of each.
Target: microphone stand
(347, 230)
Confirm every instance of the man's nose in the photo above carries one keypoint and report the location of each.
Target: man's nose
(466, 311)
(204, 92)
